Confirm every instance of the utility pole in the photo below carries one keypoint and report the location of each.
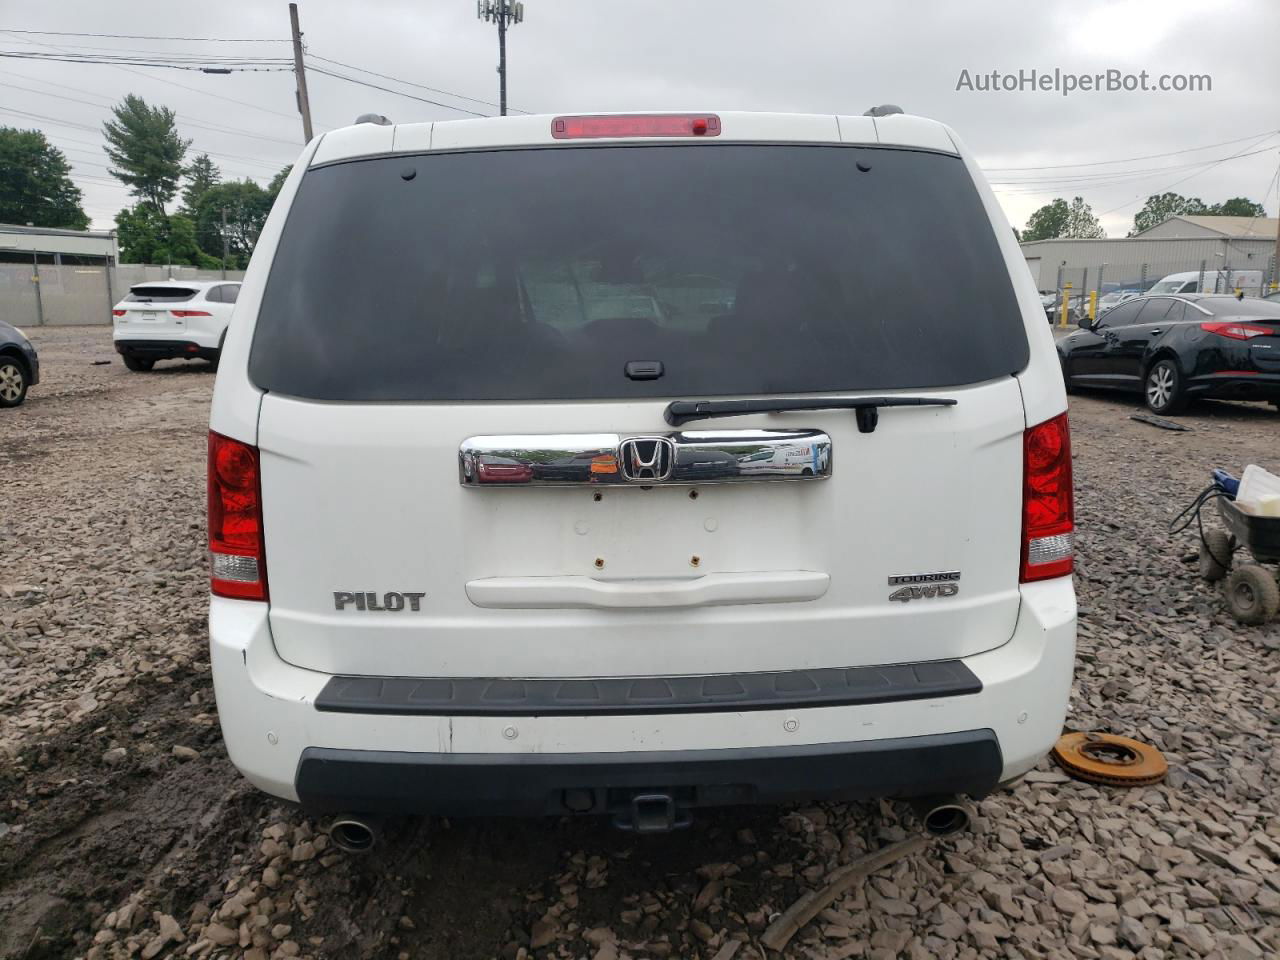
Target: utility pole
(224, 243)
(300, 73)
(1275, 261)
(505, 14)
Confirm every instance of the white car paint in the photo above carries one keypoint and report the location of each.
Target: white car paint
(358, 496)
(135, 320)
(1211, 281)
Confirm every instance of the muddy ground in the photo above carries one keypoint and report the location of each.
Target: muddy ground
(124, 830)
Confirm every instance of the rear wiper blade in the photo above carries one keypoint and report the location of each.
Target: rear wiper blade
(867, 409)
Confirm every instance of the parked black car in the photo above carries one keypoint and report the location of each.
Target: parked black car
(19, 365)
(1174, 349)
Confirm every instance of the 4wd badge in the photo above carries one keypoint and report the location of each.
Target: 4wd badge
(924, 586)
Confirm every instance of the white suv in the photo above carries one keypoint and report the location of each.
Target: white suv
(173, 319)
(508, 423)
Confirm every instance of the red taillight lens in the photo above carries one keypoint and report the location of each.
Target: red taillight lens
(652, 125)
(238, 560)
(191, 313)
(1048, 514)
(1238, 330)
(118, 313)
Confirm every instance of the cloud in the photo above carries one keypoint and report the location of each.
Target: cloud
(817, 56)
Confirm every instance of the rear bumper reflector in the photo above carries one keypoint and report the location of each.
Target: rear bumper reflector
(482, 696)
(531, 784)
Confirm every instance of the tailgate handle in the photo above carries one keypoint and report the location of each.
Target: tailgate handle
(713, 589)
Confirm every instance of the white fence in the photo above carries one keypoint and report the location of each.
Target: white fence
(32, 296)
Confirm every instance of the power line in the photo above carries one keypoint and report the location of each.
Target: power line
(1150, 156)
(172, 83)
(1118, 176)
(80, 126)
(186, 121)
(1197, 173)
(409, 83)
(140, 36)
(398, 93)
(200, 66)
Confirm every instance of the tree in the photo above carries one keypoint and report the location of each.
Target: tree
(35, 186)
(146, 236)
(145, 148)
(1237, 207)
(1081, 223)
(1161, 206)
(201, 175)
(247, 206)
(1048, 222)
(277, 182)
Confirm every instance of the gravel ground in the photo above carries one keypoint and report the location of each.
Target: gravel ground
(124, 830)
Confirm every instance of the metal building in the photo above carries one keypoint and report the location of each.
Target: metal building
(57, 247)
(1179, 244)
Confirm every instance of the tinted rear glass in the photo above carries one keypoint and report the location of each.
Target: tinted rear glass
(160, 294)
(1248, 307)
(540, 274)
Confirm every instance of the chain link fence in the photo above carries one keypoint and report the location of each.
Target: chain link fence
(33, 295)
(1245, 268)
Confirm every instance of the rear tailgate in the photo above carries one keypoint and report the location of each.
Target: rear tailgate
(559, 299)
(367, 499)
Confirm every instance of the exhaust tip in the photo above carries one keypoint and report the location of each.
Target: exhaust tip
(353, 835)
(942, 816)
(947, 819)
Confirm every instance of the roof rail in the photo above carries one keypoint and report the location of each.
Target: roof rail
(382, 121)
(884, 110)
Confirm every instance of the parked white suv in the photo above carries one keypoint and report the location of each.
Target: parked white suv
(173, 319)
(483, 544)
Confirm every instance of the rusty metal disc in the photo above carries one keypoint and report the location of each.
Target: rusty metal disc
(1106, 758)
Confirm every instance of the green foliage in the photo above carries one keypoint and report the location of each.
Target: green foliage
(201, 175)
(278, 180)
(247, 206)
(146, 236)
(1059, 219)
(1237, 207)
(1047, 223)
(35, 186)
(1081, 223)
(146, 151)
(1161, 206)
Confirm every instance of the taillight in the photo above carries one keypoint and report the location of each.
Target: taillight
(237, 556)
(1237, 331)
(191, 313)
(650, 125)
(118, 313)
(1048, 516)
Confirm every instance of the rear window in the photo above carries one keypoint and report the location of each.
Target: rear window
(160, 294)
(1248, 307)
(540, 274)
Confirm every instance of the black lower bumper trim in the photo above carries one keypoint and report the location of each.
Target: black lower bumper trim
(460, 784)
(454, 697)
(164, 349)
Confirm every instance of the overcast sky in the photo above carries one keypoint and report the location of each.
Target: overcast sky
(599, 55)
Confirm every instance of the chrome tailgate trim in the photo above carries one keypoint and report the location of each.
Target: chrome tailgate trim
(683, 457)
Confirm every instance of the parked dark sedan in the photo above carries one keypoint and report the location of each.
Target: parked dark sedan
(1178, 348)
(19, 365)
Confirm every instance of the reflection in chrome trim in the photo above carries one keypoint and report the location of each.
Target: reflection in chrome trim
(699, 456)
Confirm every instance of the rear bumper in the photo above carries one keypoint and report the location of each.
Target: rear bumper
(1236, 386)
(505, 763)
(155, 349)
(534, 784)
